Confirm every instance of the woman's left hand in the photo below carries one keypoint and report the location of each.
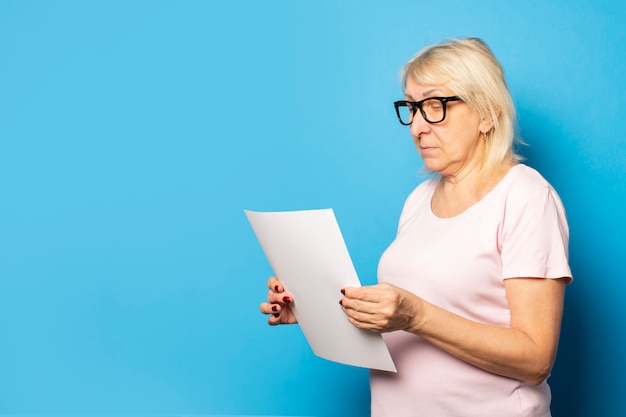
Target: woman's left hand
(381, 308)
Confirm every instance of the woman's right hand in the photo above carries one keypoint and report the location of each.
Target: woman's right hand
(278, 304)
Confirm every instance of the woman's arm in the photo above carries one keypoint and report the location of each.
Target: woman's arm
(524, 351)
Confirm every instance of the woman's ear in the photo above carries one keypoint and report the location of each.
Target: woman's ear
(487, 122)
(485, 126)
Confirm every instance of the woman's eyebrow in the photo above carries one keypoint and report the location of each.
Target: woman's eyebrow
(429, 92)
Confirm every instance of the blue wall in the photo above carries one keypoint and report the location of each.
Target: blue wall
(134, 133)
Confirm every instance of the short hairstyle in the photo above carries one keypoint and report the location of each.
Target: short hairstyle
(470, 70)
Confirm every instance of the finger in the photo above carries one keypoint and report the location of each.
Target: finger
(274, 319)
(270, 308)
(371, 293)
(280, 298)
(275, 285)
(357, 305)
(363, 320)
(282, 316)
(358, 293)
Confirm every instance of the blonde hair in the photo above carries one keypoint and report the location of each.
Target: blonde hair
(470, 70)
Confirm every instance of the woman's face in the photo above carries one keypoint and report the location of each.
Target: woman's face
(453, 146)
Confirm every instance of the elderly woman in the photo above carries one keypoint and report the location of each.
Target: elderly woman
(470, 293)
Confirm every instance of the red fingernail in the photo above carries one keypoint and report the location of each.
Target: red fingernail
(274, 308)
(276, 288)
(287, 299)
(340, 303)
(343, 291)
(276, 314)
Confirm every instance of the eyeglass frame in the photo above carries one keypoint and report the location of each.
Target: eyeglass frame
(414, 105)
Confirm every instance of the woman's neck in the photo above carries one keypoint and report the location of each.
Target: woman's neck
(455, 194)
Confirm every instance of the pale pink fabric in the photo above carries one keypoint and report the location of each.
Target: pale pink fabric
(519, 229)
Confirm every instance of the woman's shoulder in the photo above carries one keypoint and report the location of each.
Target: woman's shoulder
(523, 179)
(423, 189)
(524, 184)
(421, 193)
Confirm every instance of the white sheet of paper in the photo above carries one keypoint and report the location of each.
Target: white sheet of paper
(308, 254)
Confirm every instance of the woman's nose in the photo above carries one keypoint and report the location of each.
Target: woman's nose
(419, 125)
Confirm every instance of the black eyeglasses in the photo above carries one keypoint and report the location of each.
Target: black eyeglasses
(433, 109)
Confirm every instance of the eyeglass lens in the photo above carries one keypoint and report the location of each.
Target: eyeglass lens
(433, 111)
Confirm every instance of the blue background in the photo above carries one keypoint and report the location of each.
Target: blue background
(134, 133)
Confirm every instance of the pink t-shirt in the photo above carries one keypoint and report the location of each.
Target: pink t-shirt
(518, 229)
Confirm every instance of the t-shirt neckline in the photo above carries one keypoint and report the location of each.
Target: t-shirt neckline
(473, 207)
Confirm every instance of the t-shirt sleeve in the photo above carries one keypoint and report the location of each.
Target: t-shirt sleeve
(534, 237)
